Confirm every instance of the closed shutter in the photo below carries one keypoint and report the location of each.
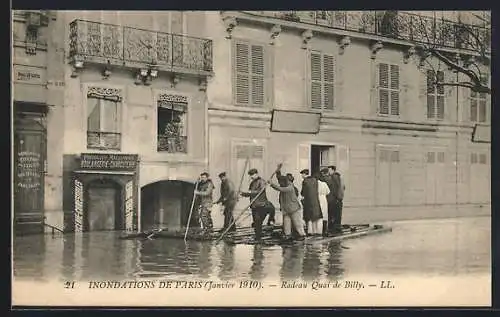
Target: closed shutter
(343, 165)
(395, 179)
(242, 84)
(383, 85)
(394, 90)
(249, 69)
(316, 91)
(322, 81)
(440, 95)
(303, 162)
(431, 90)
(482, 107)
(383, 176)
(257, 75)
(328, 81)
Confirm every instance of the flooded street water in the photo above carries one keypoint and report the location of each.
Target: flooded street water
(422, 247)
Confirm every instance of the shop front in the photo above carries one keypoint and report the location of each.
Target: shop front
(105, 193)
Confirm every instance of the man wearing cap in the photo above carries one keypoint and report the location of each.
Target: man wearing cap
(257, 191)
(228, 198)
(204, 200)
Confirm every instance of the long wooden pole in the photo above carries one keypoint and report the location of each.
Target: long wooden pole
(248, 206)
(191, 210)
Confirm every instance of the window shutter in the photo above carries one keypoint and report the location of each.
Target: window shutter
(430, 157)
(242, 85)
(431, 107)
(440, 98)
(383, 84)
(257, 75)
(473, 106)
(316, 91)
(328, 81)
(482, 107)
(394, 90)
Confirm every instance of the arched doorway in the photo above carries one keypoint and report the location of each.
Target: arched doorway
(166, 204)
(104, 210)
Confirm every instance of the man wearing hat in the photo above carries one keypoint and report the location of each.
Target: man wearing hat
(257, 191)
(204, 201)
(228, 198)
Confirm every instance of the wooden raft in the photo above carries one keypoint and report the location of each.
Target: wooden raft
(271, 235)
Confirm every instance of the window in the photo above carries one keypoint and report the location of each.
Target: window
(249, 68)
(477, 107)
(172, 124)
(435, 157)
(478, 158)
(435, 95)
(103, 118)
(322, 81)
(388, 89)
(388, 176)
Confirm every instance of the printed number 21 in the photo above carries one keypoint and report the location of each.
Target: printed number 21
(69, 284)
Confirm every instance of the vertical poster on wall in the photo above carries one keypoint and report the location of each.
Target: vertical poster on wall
(78, 210)
(129, 206)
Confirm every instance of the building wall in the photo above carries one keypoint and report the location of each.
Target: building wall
(139, 113)
(418, 183)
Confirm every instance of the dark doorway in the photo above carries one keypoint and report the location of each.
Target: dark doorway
(166, 204)
(322, 156)
(104, 210)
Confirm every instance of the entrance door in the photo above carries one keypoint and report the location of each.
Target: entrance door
(29, 161)
(103, 209)
(322, 156)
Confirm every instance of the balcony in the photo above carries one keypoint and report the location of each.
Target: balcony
(103, 140)
(392, 24)
(172, 144)
(100, 43)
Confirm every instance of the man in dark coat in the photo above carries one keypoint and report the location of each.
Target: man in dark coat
(228, 198)
(339, 197)
(204, 201)
(260, 206)
(310, 203)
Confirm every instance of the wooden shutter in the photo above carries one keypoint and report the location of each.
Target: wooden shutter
(440, 95)
(328, 81)
(316, 91)
(431, 90)
(382, 191)
(395, 178)
(482, 107)
(257, 75)
(473, 106)
(242, 71)
(430, 178)
(394, 90)
(383, 85)
(343, 165)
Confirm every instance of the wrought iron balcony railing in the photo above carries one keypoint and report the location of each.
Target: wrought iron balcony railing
(100, 42)
(394, 24)
(172, 144)
(103, 140)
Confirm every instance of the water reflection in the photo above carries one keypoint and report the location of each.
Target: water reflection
(456, 246)
(227, 264)
(257, 268)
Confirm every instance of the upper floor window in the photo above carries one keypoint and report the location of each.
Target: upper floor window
(172, 124)
(322, 81)
(477, 106)
(435, 95)
(435, 157)
(103, 118)
(478, 158)
(388, 89)
(249, 74)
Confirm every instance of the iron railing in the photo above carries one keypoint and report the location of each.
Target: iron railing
(394, 24)
(115, 43)
(103, 140)
(172, 144)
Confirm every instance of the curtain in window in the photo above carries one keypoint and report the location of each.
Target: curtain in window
(93, 115)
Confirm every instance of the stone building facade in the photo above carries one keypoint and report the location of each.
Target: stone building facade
(117, 113)
(319, 88)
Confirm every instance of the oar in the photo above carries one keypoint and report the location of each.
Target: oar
(248, 206)
(191, 210)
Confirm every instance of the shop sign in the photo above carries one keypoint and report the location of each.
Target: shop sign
(28, 170)
(113, 162)
(28, 74)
